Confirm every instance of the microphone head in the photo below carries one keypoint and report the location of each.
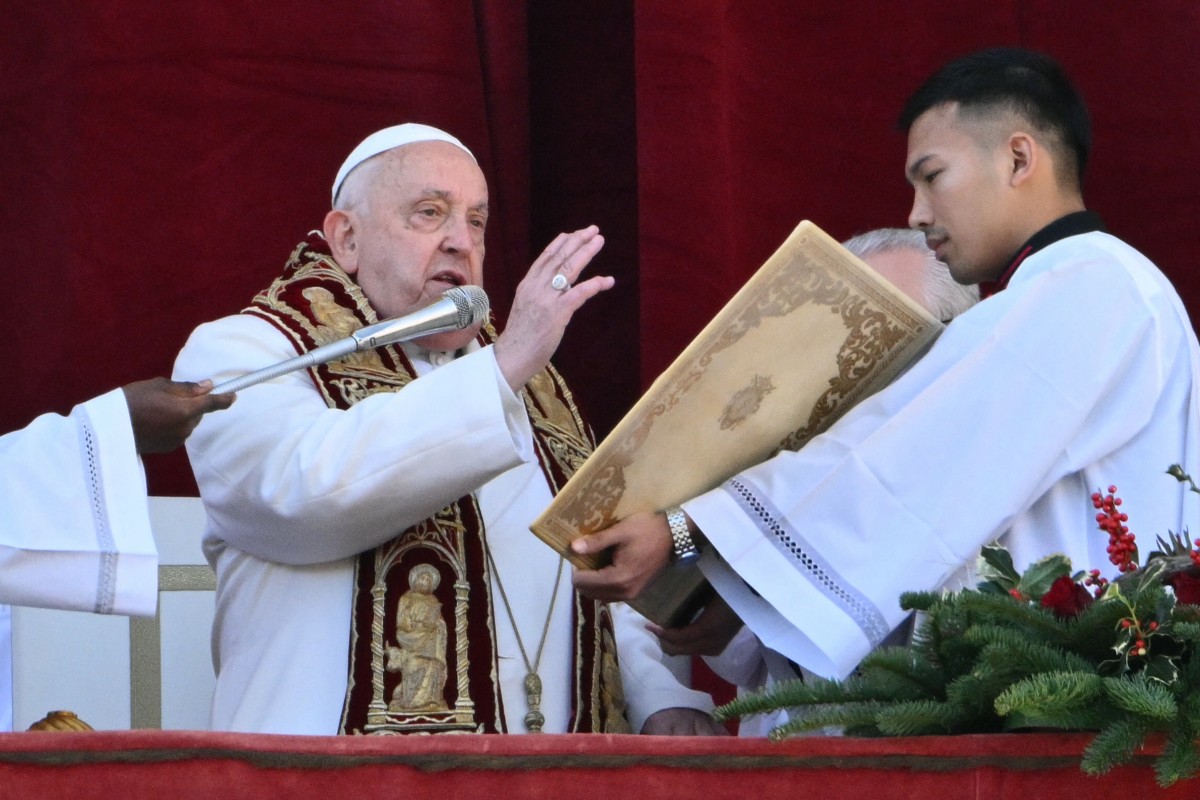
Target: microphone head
(471, 303)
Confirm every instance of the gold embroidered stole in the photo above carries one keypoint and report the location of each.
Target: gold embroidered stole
(423, 646)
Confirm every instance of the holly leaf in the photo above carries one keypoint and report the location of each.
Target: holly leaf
(1037, 579)
(1162, 668)
(995, 565)
(992, 587)
(1115, 667)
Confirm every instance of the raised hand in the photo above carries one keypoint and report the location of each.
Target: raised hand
(544, 304)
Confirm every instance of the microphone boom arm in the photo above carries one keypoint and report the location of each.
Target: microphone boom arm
(467, 306)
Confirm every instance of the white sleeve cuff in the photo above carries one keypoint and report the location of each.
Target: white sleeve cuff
(121, 488)
(515, 414)
(653, 680)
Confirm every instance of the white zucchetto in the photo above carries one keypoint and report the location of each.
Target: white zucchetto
(388, 139)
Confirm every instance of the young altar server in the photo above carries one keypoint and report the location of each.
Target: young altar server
(1080, 372)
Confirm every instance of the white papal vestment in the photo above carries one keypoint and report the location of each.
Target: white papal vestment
(1080, 375)
(295, 490)
(75, 530)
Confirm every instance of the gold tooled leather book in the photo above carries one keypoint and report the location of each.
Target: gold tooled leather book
(814, 331)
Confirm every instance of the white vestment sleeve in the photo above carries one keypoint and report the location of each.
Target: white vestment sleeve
(280, 470)
(1077, 375)
(741, 662)
(76, 533)
(652, 680)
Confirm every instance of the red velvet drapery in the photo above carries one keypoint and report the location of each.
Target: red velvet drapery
(159, 160)
(162, 159)
(755, 115)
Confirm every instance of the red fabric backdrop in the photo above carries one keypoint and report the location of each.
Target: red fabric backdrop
(160, 160)
(755, 115)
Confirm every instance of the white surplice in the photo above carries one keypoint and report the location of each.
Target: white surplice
(295, 491)
(75, 532)
(1079, 375)
(76, 528)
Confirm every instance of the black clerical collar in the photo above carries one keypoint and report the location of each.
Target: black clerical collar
(1071, 225)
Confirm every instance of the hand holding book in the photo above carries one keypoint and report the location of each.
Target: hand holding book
(813, 332)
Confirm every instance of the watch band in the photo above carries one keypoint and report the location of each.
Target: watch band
(683, 545)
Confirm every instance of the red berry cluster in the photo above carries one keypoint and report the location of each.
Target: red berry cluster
(1122, 550)
(1195, 554)
(1139, 634)
(1094, 578)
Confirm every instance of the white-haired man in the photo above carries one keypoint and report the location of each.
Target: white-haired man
(329, 492)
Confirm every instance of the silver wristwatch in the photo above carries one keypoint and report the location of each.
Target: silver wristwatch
(683, 545)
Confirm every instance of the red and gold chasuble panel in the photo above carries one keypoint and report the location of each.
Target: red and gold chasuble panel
(423, 642)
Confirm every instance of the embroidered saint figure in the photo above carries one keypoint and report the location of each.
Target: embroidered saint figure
(420, 657)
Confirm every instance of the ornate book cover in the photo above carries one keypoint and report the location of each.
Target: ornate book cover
(814, 331)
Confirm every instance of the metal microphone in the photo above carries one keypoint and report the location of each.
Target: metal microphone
(460, 307)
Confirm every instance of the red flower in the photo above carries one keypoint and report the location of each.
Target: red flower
(1187, 588)
(1067, 598)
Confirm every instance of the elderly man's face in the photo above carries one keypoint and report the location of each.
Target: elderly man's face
(960, 173)
(420, 232)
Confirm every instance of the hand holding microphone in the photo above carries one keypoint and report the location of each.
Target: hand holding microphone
(460, 307)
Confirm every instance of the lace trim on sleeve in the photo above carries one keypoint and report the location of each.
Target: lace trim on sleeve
(808, 562)
(106, 585)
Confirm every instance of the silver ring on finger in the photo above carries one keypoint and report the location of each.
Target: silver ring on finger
(560, 283)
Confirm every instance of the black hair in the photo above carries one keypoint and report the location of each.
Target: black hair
(1030, 84)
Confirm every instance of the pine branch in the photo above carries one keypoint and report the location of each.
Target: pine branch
(1008, 657)
(782, 695)
(940, 639)
(1142, 696)
(1011, 653)
(902, 673)
(801, 694)
(1001, 609)
(920, 601)
(1089, 718)
(1090, 634)
(1050, 693)
(920, 717)
(1149, 597)
(860, 716)
(1180, 758)
(975, 694)
(1189, 631)
(1114, 745)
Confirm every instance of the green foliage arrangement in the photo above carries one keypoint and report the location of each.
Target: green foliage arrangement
(1047, 648)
